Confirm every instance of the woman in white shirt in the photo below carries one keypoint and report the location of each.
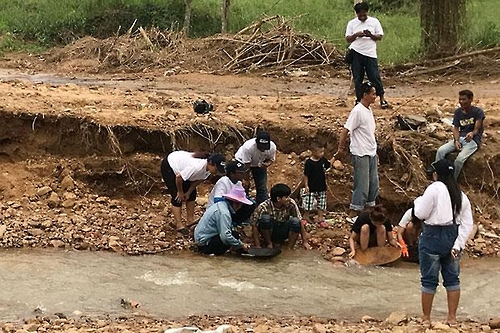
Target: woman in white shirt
(448, 224)
(182, 171)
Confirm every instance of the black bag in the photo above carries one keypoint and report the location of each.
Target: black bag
(201, 106)
(349, 56)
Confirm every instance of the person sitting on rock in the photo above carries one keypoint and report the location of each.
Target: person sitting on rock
(182, 171)
(214, 233)
(277, 219)
(371, 229)
(467, 131)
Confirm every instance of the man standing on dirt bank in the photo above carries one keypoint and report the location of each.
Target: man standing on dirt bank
(363, 147)
(258, 154)
(467, 131)
(362, 33)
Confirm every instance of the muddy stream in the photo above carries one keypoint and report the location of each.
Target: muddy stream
(298, 283)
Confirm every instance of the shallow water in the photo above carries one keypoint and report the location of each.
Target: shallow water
(294, 283)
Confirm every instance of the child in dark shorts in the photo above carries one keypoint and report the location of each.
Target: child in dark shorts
(314, 192)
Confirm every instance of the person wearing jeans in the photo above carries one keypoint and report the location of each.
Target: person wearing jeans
(258, 154)
(277, 219)
(363, 147)
(467, 131)
(363, 33)
(365, 181)
(447, 213)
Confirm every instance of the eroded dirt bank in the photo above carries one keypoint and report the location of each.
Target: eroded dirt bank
(79, 163)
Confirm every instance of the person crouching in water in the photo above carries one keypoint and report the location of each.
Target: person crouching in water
(214, 234)
(277, 219)
(371, 229)
(408, 231)
(447, 227)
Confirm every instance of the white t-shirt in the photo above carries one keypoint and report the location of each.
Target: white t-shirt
(361, 127)
(364, 45)
(405, 219)
(188, 167)
(223, 186)
(248, 153)
(434, 206)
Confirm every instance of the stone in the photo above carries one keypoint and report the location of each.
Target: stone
(366, 319)
(114, 244)
(67, 184)
(101, 200)
(395, 318)
(337, 165)
(57, 243)
(338, 251)
(68, 203)
(43, 191)
(441, 327)
(494, 323)
(35, 232)
(319, 328)
(53, 200)
(3, 228)
(304, 155)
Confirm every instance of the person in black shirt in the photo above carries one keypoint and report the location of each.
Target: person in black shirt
(314, 191)
(371, 229)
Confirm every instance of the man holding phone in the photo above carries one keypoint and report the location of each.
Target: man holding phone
(363, 33)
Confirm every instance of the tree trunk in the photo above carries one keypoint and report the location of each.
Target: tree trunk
(442, 23)
(225, 12)
(187, 18)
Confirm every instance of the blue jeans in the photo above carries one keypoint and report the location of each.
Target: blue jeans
(360, 65)
(434, 246)
(260, 178)
(468, 148)
(280, 229)
(365, 182)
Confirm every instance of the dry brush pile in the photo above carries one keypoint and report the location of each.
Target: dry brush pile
(269, 43)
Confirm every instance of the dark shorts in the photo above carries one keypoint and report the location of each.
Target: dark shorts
(280, 230)
(168, 176)
(216, 246)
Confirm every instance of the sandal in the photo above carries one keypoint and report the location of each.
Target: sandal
(385, 105)
(323, 224)
(184, 231)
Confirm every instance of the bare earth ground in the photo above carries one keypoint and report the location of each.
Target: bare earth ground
(80, 156)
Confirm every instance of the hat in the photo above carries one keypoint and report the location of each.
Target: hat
(263, 140)
(443, 168)
(235, 166)
(238, 194)
(219, 160)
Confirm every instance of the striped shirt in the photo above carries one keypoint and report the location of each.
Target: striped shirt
(280, 215)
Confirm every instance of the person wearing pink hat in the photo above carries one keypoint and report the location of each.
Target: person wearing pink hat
(214, 234)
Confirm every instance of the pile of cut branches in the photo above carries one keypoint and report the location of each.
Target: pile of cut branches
(271, 42)
(130, 52)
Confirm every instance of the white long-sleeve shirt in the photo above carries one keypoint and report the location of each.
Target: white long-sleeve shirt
(434, 206)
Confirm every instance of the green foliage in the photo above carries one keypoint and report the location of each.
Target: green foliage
(482, 23)
(49, 22)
